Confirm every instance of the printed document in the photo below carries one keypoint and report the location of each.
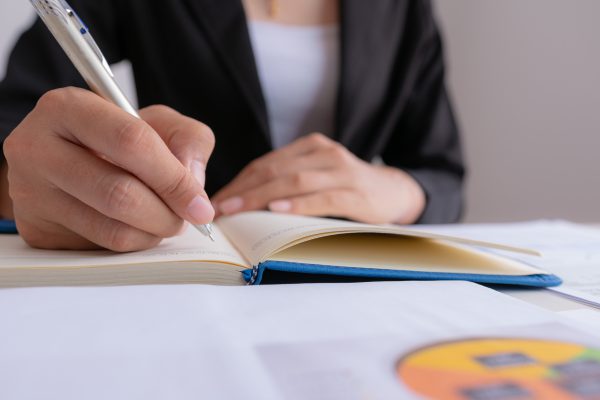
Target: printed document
(270, 342)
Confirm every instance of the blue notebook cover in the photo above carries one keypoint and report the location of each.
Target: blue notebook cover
(7, 226)
(289, 259)
(256, 275)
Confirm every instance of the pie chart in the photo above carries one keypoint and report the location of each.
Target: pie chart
(502, 369)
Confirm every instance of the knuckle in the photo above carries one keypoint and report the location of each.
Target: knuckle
(339, 154)
(269, 172)
(319, 140)
(51, 100)
(17, 192)
(120, 198)
(26, 147)
(32, 236)
(332, 200)
(177, 187)
(58, 99)
(132, 136)
(302, 180)
(253, 167)
(13, 146)
(158, 108)
(199, 133)
(120, 239)
(208, 135)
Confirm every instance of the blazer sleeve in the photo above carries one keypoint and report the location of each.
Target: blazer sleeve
(37, 64)
(426, 142)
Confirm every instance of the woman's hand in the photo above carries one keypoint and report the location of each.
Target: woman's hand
(317, 176)
(6, 211)
(84, 174)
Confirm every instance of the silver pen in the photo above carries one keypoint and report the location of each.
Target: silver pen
(75, 39)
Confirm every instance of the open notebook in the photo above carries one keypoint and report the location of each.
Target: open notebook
(250, 247)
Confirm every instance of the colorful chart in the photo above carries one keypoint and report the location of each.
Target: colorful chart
(503, 369)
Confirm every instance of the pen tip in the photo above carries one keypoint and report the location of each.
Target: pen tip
(211, 232)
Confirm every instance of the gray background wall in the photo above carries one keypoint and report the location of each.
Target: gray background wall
(525, 77)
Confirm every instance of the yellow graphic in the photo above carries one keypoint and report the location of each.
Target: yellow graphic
(503, 369)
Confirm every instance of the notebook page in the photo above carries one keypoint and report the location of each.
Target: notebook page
(260, 234)
(191, 246)
(400, 253)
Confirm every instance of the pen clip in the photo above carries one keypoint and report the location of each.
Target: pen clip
(44, 8)
(85, 33)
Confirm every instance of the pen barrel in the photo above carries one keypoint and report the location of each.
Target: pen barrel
(110, 90)
(93, 68)
(98, 76)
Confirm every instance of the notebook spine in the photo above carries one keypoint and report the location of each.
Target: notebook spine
(254, 275)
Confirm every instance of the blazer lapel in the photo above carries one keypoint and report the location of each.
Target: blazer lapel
(226, 27)
(370, 31)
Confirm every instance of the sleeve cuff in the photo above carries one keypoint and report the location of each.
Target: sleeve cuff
(443, 196)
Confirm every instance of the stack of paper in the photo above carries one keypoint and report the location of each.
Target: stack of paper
(569, 250)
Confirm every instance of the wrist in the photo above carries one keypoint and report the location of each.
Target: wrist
(412, 195)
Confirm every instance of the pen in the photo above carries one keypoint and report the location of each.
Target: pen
(75, 39)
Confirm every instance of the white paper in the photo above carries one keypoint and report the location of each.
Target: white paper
(368, 367)
(192, 341)
(588, 319)
(138, 342)
(568, 250)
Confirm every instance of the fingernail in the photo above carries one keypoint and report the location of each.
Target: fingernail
(198, 170)
(200, 210)
(280, 206)
(231, 205)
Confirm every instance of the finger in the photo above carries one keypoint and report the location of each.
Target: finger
(299, 147)
(293, 185)
(81, 227)
(40, 232)
(50, 235)
(109, 190)
(130, 143)
(303, 145)
(341, 203)
(262, 171)
(262, 174)
(191, 141)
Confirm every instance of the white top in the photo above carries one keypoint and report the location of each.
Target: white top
(298, 67)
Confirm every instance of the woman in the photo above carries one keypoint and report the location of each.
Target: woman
(368, 77)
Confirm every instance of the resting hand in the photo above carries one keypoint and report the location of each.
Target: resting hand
(84, 174)
(319, 177)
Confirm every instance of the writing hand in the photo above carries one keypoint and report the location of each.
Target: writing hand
(319, 177)
(85, 174)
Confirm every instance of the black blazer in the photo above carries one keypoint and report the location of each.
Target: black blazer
(196, 56)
